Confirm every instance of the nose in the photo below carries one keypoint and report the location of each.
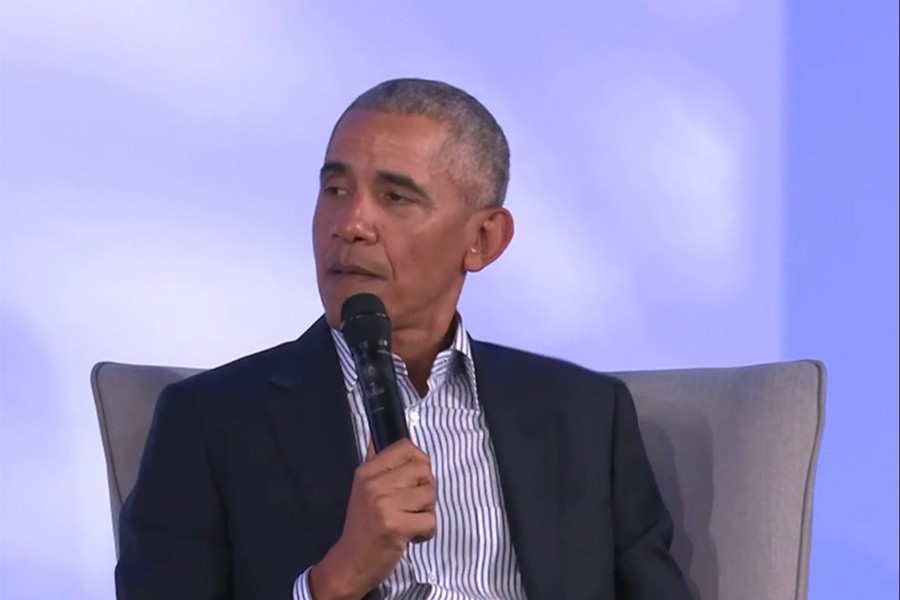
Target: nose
(355, 219)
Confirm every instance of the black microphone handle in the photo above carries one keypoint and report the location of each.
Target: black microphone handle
(381, 397)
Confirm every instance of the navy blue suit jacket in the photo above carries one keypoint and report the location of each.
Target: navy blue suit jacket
(247, 470)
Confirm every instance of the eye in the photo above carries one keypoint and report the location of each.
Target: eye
(396, 198)
(333, 190)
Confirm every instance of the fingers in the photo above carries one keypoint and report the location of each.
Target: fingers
(410, 526)
(401, 452)
(387, 483)
(411, 474)
(416, 500)
(420, 527)
(392, 503)
(392, 457)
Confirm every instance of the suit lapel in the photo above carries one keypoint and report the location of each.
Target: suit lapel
(523, 424)
(310, 417)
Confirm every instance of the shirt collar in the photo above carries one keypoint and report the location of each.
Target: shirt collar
(459, 348)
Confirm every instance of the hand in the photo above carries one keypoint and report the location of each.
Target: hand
(391, 504)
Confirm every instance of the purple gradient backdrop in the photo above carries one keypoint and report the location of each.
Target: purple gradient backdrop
(707, 183)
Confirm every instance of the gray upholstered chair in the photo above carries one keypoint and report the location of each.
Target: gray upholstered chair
(734, 451)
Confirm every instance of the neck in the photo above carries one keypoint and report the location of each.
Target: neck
(419, 345)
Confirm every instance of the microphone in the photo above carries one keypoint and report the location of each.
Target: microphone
(367, 331)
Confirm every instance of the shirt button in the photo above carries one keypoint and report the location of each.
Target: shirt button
(413, 417)
(432, 577)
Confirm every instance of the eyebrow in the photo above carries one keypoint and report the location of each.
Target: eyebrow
(404, 181)
(334, 167)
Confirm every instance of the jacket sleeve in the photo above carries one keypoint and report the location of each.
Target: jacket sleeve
(173, 541)
(645, 569)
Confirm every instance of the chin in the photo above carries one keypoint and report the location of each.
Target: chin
(334, 296)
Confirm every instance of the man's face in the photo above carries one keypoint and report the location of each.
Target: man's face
(389, 220)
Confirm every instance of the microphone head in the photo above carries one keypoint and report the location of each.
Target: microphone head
(364, 319)
(362, 304)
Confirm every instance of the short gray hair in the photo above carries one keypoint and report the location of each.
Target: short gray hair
(476, 153)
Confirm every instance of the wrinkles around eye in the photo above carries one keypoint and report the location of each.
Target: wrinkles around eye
(395, 198)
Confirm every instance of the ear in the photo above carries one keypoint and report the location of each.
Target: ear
(494, 233)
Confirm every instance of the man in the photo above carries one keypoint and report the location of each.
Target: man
(525, 477)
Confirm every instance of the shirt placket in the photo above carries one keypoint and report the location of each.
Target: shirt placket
(416, 558)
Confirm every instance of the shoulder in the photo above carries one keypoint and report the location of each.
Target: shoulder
(261, 369)
(537, 369)
(229, 392)
(253, 368)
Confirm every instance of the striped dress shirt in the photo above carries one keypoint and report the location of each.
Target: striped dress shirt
(471, 555)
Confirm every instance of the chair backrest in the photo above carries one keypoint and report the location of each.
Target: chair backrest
(125, 397)
(734, 451)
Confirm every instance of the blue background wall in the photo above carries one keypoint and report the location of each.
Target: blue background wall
(840, 277)
(695, 183)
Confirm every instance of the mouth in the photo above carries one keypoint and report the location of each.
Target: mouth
(353, 271)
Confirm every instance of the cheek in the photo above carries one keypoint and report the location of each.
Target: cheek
(427, 259)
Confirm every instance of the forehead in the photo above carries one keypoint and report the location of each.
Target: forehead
(367, 140)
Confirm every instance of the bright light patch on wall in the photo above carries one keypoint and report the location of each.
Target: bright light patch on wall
(668, 163)
(211, 61)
